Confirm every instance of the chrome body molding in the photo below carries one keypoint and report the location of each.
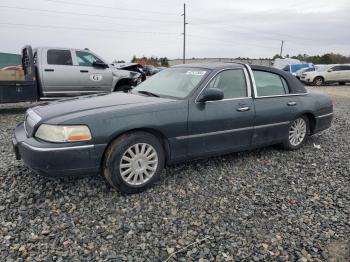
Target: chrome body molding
(231, 130)
(274, 124)
(326, 115)
(48, 149)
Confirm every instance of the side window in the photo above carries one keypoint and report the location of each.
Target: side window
(231, 82)
(86, 58)
(270, 84)
(59, 57)
(344, 68)
(336, 68)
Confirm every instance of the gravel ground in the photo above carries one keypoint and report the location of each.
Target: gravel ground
(267, 204)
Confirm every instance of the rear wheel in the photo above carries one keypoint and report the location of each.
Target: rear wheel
(297, 133)
(133, 162)
(318, 81)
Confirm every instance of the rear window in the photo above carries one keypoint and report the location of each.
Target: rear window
(270, 84)
(59, 57)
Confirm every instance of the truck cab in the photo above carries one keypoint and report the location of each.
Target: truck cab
(54, 73)
(71, 72)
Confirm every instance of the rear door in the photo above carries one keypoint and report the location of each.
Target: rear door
(58, 73)
(345, 73)
(224, 125)
(275, 108)
(92, 79)
(334, 74)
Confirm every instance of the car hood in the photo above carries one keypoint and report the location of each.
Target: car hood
(94, 102)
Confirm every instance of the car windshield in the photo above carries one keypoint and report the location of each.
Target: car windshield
(172, 82)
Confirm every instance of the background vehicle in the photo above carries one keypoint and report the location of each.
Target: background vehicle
(150, 70)
(334, 73)
(51, 73)
(203, 110)
(134, 67)
(304, 70)
(293, 68)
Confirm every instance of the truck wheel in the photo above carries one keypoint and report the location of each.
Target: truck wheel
(133, 162)
(123, 88)
(297, 133)
(318, 81)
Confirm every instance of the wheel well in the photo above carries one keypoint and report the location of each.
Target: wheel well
(320, 77)
(162, 139)
(124, 81)
(312, 121)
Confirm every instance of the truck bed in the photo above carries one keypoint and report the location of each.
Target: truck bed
(18, 91)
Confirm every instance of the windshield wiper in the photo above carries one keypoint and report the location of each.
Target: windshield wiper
(148, 93)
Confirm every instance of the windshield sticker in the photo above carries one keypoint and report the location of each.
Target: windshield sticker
(96, 77)
(196, 73)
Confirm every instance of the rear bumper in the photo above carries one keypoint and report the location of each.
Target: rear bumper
(56, 160)
(323, 122)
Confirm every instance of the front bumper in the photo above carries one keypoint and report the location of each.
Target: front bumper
(56, 160)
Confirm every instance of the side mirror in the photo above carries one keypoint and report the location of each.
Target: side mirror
(330, 70)
(211, 94)
(99, 64)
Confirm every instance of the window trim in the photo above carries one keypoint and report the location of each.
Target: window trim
(85, 51)
(247, 80)
(280, 78)
(57, 49)
(255, 90)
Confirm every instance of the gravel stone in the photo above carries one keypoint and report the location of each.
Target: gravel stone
(262, 205)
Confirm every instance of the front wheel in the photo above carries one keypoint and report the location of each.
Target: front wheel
(133, 162)
(297, 133)
(318, 81)
(123, 88)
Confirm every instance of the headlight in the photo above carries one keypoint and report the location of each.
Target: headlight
(52, 133)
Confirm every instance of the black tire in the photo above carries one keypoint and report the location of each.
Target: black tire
(111, 166)
(342, 83)
(318, 81)
(123, 88)
(287, 144)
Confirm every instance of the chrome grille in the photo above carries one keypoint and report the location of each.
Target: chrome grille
(31, 119)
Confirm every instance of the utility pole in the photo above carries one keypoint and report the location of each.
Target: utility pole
(184, 33)
(281, 48)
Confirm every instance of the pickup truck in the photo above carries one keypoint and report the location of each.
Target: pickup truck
(55, 73)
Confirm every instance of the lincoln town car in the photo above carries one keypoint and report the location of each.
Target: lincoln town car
(184, 112)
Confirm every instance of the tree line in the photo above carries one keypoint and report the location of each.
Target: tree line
(329, 58)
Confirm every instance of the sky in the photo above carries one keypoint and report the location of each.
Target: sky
(119, 29)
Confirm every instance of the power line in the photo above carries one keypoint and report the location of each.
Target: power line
(231, 42)
(110, 7)
(89, 15)
(86, 29)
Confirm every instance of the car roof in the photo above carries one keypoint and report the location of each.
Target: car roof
(211, 65)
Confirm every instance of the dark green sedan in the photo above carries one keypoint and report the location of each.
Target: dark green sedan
(185, 112)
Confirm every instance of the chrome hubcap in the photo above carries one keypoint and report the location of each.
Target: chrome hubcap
(297, 132)
(138, 164)
(319, 81)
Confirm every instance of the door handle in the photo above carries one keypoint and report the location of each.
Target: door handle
(49, 70)
(84, 71)
(242, 109)
(291, 103)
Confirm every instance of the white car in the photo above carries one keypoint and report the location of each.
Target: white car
(332, 74)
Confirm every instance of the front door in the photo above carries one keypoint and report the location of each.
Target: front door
(275, 108)
(92, 79)
(225, 125)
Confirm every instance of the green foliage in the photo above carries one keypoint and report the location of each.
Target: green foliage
(329, 58)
